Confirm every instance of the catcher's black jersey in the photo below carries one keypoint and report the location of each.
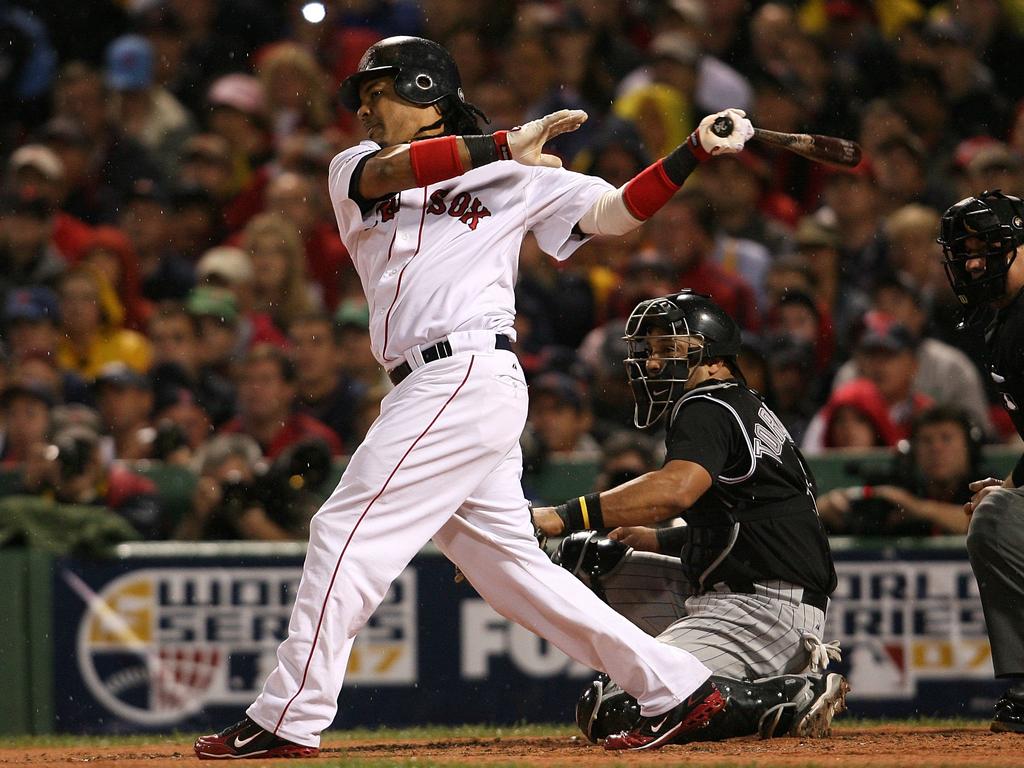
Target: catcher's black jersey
(1004, 351)
(758, 521)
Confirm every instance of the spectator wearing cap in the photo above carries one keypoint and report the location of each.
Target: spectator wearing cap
(900, 164)
(852, 202)
(109, 251)
(297, 198)
(221, 334)
(352, 320)
(817, 244)
(206, 164)
(684, 233)
(324, 391)
(795, 383)
(113, 159)
(26, 421)
(179, 343)
(124, 399)
(231, 269)
(603, 353)
(31, 322)
(145, 110)
(560, 417)
(798, 314)
(92, 325)
(737, 186)
(37, 168)
(944, 373)
(28, 255)
(237, 111)
(81, 197)
(886, 356)
(267, 405)
(280, 288)
(163, 271)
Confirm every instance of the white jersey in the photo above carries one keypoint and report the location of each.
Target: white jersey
(444, 258)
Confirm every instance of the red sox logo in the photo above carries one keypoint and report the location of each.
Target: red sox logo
(464, 207)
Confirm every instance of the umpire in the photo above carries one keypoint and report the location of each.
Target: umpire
(982, 239)
(750, 598)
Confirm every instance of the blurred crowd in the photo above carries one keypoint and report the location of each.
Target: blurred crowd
(173, 288)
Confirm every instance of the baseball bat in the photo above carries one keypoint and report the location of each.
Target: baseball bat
(829, 150)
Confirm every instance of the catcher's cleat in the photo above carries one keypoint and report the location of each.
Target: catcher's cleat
(813, 719)
(246, 739)
(682, 720)
(1009, 715)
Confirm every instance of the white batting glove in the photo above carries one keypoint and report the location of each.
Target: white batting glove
(710, 142)
(526, 142)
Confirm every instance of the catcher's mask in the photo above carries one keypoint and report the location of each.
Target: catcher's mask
(666, 338)
(990, 227)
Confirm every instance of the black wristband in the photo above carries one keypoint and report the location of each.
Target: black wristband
(582, 513)
(671, 539)
(679, 163)
(482, 150)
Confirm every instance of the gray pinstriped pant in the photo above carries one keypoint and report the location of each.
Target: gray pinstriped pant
(995, 544)
(736, 635)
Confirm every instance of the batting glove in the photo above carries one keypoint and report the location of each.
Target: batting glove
(526, 142)
(742, 131)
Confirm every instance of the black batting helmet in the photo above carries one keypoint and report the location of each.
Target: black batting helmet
(990, 227)
(710, 332)
(424, 71)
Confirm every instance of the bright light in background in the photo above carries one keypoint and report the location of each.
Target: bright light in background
(314, 13)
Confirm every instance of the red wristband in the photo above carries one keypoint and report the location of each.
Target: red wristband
(501, 144)
(435, 160)
(646, 192)
(693, 142)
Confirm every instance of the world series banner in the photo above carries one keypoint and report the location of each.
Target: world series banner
(158, 644)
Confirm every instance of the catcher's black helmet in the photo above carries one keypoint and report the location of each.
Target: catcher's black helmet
(424, 71)
(990, 227)
(711, 334)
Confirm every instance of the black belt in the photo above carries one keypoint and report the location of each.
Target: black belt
(439, 351)
(811, 597)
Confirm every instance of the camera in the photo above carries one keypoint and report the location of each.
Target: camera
(868, 513)
(285, 488)
(74, 452)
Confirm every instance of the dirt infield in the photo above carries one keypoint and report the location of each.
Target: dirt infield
(875, 747)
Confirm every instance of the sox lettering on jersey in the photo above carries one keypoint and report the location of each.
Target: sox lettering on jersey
(466, 208)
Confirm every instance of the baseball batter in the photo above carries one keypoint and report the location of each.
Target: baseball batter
(982, 241)
(433, 214)
(749, 600)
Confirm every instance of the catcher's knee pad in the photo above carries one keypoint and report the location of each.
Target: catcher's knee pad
(604, 709)
(589, 555)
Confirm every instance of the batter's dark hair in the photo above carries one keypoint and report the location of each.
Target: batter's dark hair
(460, 117)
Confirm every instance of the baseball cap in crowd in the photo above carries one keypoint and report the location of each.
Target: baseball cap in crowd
(39, 158)
(789, 351)
(32, 304)
(562, 387)
(121, 376)
(353, 312)
(995, 157)
(238, 91)
(129, 63)
(675, 46)
(813, 233)
(65, 131)
(882, 333)
(225, 264)
(34, 390)
(207, 301)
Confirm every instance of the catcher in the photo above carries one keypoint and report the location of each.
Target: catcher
(745, 584)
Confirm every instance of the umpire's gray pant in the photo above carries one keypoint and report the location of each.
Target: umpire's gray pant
(736, 635)
(995, 543)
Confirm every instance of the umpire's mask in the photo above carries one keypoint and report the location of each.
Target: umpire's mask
(666, 338)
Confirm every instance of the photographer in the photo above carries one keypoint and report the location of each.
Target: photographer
(922, 492)
(238, 498)
(71, 470)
